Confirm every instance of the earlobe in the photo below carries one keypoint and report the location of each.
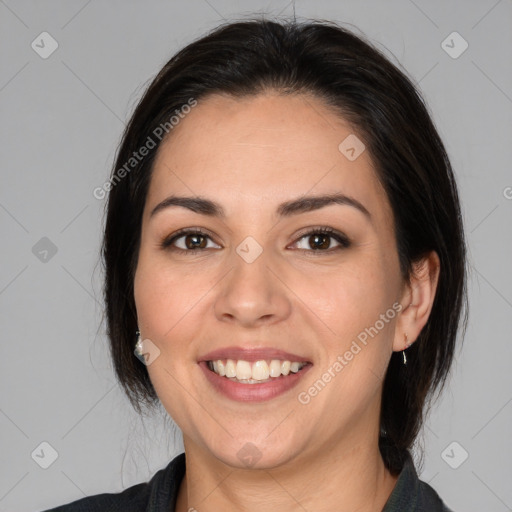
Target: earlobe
(419, 295)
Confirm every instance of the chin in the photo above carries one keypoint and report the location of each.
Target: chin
(247, 454)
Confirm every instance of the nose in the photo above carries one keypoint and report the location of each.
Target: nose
(251, 295)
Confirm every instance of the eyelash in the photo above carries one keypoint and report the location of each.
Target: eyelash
(343, 240)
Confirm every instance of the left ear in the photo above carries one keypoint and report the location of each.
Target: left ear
(417, 300)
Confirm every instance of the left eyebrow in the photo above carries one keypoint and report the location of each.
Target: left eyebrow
(303, 204)
(310, 203)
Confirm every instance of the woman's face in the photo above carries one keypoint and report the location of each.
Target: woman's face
(255, 283)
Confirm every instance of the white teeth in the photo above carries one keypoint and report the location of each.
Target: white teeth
(221, 368)
(243, 370)
(294, 367)
(275, 368)
(252, 373)
(260, 370)
(230, 368)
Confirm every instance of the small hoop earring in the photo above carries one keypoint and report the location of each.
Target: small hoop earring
(407, 345)
(138, 345)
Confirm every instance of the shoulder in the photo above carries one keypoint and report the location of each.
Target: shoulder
(412, 494)
(429, 500)
(130, 500)
(156, 495)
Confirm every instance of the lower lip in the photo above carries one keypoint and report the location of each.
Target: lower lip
(253, 392)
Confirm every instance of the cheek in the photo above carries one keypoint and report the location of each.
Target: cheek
(355, 305)
(164, 293)
(349, 297)
(151, 300)
(165, 302)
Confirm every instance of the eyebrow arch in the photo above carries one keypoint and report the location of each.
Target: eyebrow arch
(295, 206)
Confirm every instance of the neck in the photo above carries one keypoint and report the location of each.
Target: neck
(341, 478)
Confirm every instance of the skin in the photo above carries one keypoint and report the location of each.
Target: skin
(250, 155)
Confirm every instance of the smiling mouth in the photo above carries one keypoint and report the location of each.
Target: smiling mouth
(256, 372)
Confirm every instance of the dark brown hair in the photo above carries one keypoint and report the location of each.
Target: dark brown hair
(388, 114)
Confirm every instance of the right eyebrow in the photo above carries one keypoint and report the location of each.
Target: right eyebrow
(196, 204)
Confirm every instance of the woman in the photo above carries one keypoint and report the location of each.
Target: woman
(284, 250)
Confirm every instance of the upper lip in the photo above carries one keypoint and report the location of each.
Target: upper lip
(251, 354)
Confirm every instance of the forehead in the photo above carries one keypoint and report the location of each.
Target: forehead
(266, 146)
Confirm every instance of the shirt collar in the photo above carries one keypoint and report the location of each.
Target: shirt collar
(406, 493)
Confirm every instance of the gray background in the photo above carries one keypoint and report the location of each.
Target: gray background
(61, 120)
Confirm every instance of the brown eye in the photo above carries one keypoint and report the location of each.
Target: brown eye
(188, 241)
(195, 241)
(320, 240)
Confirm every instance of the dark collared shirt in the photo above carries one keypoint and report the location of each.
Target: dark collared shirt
(159, 494)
